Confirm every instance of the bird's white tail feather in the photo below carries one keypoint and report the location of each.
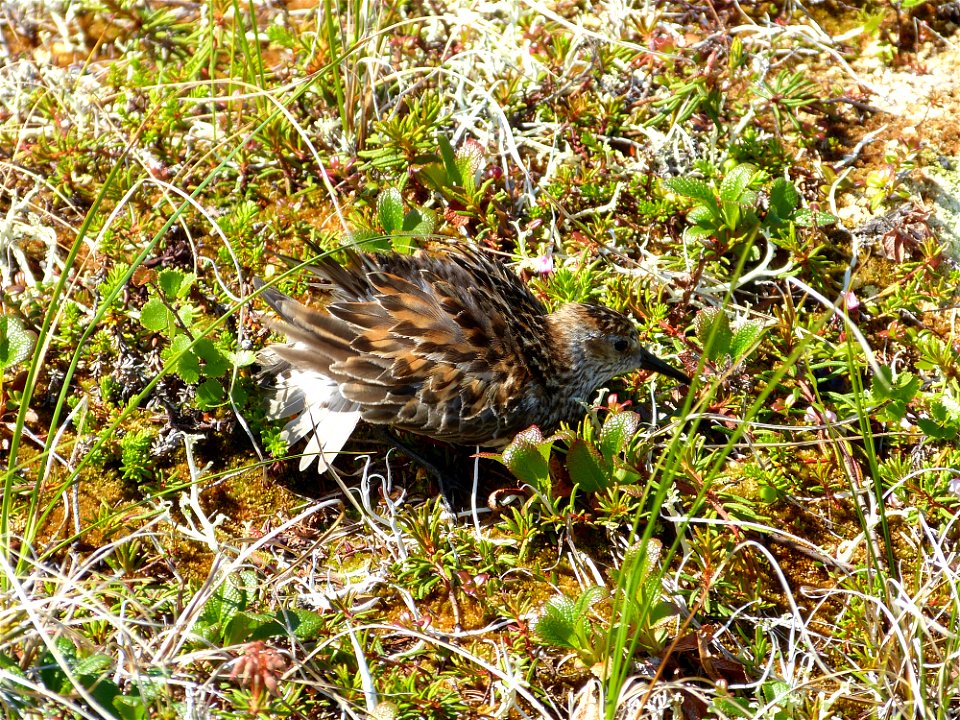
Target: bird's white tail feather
(322, 413)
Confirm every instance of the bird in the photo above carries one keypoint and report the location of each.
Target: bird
(449, 344)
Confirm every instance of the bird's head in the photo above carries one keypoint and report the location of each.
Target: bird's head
(599, 344)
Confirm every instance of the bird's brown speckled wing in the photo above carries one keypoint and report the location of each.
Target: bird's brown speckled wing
(425, 343)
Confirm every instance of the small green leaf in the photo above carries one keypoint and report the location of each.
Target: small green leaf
(735, 183)
(731, 214)
(777, 691)
(93, 665)
(639, 560)
(16, 342)
(239, 395)
(698, 232)
(904, 388)
(8, 664)
(557, 626)
(454, 178)
(305, 624)
(692, 188)
(469, 162)
(435, 176)
(732, 707)
(188, 365)
(713, 332)
(186, 284)
(534, 435)
(420, 222)
(247, 626)
(215, 363)
(242, 358)
(735, 55)
(662, 615)
(524, 457)
(51, 673)
(228, 600)
(210, 394)
(704, 214)
(100, 686)
(587, 468)
(744, 338)
(895, 394)
(768, 494)
(810, 218)
(130, 707)
(590, 597)
(377, 153)
(155, 316)
(188, 314)
(390, 211)
(170, 282)
(469, 180)
(176, 284)
(784, 198)
(942, 412)
(402, 244)
(617, 432)
(936, 430)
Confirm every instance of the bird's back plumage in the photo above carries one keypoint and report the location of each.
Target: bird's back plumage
(425, 343)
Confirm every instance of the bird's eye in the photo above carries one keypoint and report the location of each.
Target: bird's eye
(621, 345)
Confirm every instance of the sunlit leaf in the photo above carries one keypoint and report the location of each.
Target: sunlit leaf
(618, 429)
(733, 186)
(744, 338)
(16, 342)
(155, 316)
(692, 188)
(587, 468)
(713, 332)
(525, 458)
(390, 211)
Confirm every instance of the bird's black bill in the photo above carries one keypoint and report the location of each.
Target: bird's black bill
(652, 362)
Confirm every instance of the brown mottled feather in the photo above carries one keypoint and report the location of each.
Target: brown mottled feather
(452, 345)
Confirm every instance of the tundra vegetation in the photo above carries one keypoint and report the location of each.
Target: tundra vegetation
(770, 190)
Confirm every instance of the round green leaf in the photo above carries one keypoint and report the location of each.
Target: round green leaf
(16, 342)
(155, 316)
(210, 394)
